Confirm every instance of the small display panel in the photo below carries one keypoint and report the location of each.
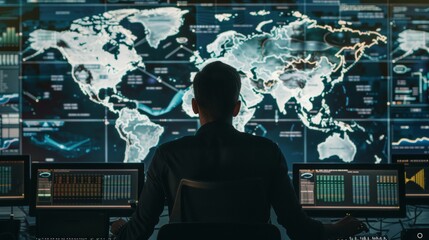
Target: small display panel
(87, 186)
(14, 176)
(416, 176)
(364, 190)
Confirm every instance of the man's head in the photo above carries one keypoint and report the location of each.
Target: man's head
(217, 90)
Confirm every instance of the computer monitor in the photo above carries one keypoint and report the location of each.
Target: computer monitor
(361, 190)
(416, 177)
(14, 180)
(107, 187)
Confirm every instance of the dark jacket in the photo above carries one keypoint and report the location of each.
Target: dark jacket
(218, 152)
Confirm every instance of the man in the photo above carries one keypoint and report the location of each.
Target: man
(218, 152)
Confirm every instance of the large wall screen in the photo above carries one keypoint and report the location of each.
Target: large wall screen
(99, 81)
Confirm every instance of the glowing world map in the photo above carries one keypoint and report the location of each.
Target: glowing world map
(275, 63)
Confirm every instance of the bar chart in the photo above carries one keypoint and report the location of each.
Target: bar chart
(330, 188)
(361, 186)
(387, 194)
(9, 37)
(5, 180)
(9, 59)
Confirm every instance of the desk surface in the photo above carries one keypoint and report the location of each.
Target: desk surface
(390, 227)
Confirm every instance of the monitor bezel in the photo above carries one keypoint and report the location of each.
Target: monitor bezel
(413, 200)
(370, 213)
(113, 212)
(21, 201)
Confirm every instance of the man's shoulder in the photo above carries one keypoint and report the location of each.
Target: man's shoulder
(178, 143)
(257, 140)
(240, 138)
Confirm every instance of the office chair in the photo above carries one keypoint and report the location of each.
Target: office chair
(236, 201)
(9, 229)
(220, 210)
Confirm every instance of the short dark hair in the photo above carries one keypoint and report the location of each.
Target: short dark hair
(217, 89)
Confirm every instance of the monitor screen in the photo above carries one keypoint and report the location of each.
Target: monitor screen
(110, 187)
(14, 178)
(416, 177)
(364, 190)
(110, 80)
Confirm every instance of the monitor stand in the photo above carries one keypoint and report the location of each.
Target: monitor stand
(72, 224)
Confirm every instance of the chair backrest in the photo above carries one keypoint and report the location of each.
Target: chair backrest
(243, 201)
(219, 231)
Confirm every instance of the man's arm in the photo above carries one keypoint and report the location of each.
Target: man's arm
(150, 205)
(291, 216)
(285, 203)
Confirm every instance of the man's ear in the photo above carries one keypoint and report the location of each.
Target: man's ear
(195, 106)
(236, 109)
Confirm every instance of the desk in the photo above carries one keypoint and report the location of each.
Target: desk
(391, 227)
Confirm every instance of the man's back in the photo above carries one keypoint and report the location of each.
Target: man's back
(220, 153)
(217, 152)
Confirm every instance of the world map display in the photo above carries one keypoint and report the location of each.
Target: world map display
(109, 83)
